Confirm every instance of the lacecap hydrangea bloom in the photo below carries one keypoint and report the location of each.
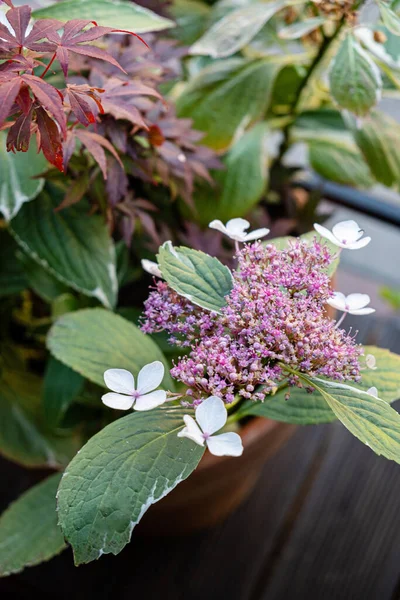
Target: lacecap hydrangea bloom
(274, 316)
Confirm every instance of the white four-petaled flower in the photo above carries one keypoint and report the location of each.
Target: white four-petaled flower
(347, 234)
(125, 395)
(151, 267)
(211, 416)
(354, 304)
(236, 230)
(370, 361)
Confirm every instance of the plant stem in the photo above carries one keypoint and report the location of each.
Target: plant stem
(318, 58)
(48, 66)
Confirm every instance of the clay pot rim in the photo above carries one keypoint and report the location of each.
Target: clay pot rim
(250, 432)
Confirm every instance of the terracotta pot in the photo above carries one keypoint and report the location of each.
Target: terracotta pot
(218, 485)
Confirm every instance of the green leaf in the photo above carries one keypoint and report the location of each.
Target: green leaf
(200, 278)
(109, 13)
(71, 245)
(389, 18)
(12, 276)
(297, 30)
(191, 17)
(92, 340)
(236, 29)
(29, 533)
(246, 176)
(118, 475)
(302, 408)
(340, 163)
(227, 97)
(61, 386)
(370, 419)
(42, 283)
(355, 80)
(386, 376)
(24, 437)
(378, 139)
(17, 185)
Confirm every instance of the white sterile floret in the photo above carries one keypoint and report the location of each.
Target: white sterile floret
(125, 395)
(370, 361)
(354, 304)
(236, 230)
(347, 234)
(373, 392)
(151, 267)
(211, 415)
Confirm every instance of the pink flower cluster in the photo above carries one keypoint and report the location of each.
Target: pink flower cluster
(275, 315)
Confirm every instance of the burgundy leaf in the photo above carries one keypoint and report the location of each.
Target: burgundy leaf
(75, 192)
(95, 143)
(68, 149)
(24, 100)
(19, 134)
(49, 98)
(40, 31)
(8, 93)
(8, 2)
(80, 106)
(117, 182)
(49, 139)
(19, 18)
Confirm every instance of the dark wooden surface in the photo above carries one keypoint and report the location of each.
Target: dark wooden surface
(322, 523)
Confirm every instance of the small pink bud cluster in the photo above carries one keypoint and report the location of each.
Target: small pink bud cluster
(275, 315)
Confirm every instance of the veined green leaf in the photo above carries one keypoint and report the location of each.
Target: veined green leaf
(236, 29)
(355, 80)
(61, 385)
(12, 276)
(377, 137)
(119, 14)
(92, 340)
(71, 245)
(297, 30)
(29, 533)
(200, 278)
(340, 163)
(17, 171)
(118, 475)
(227, 97)
(191, 18)
(389, 18)
(385, 377)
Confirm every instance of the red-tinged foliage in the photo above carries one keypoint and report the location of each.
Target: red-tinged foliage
(81, 99)
(95, 144)
(19, 134)
(49, 139)
(8, 2)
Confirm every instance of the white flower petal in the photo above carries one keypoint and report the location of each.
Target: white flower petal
(338, 301)
(373, 392)
(219, 226)
(362, 311)
(356, 301)
(119, 380)
(151, 267)
(150, 377)
(211, 415)
(151, 400)
(225, 444)
(326, 233)
(370, 361)
(256, 234)
(118, 401)
(192, 431)
(347, 232)
(360, 244)
(237, 227)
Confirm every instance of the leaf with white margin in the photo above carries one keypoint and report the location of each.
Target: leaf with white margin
(236, 29)
(354, 78)
(118, 14)
(17, 171)
(389, 18)
(124, 469)
(92, 340)
(195, 275)
(29, 533)
(370, 419)
(378, 139)
(298, 30)
(386, 376)
(387, 52)
(71, 245)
